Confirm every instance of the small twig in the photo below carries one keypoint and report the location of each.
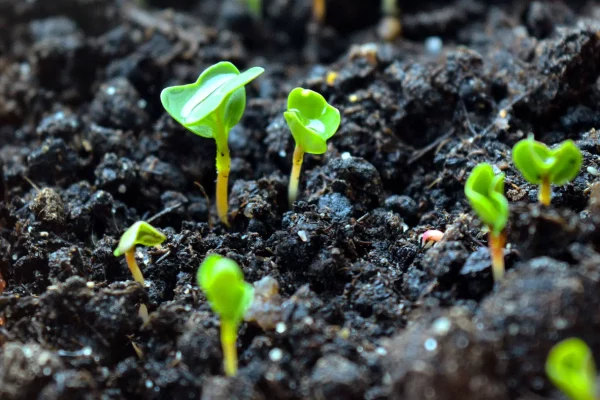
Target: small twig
(417, 155)
(207, 202)
(163, 212)
(36, 187)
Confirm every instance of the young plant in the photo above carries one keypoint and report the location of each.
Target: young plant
(210, 107)
(543, 166)
(139, 233)
(222, 281)
(312, 121)
(570, 366)
(255, 8)
(485, 192)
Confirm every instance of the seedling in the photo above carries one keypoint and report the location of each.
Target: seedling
(430, 237)
(570, 366)
(210, 107)
(485, 192)
(229, 296)
(543, 166)
(255, 8)
(312, 121)
(139, 233)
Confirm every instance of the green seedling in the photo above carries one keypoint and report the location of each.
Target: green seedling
(570, 366)
(139, 233)
(210, 107)
(312, 121)
(222, 281)
(543, 166)
(485, 192)
(255, 8)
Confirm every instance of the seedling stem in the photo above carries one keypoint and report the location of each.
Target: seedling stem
(223, 168)
(138, 277)
(295, 176)
(319, 10)
(496, 243)
(228, 338)
(545, 192)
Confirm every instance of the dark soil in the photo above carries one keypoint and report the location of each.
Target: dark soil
(350, 305)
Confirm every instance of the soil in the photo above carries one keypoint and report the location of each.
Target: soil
(349, 304)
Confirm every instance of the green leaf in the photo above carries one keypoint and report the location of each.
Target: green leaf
(218, 97)
(222, 281)
(570, 367)
(537, 162)
(485, 192)
(311, 119)
(139, 233)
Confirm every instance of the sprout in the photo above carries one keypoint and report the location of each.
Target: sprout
(485, 192)
(570, 367)
(139, 233)
(255, 8)
(229, 296)
(430, 237)
(312, 121)
(210, 108)
(543, 166)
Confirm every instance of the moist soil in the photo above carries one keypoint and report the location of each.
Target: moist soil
(349, 305)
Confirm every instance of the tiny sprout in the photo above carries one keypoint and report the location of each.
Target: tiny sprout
(430, 237)
(222, 280)
(319, 8)
(570, 366)
(255, 8)
(139, 233)
(543, 166)
(485, 192)
(312, 121)
(210, 107)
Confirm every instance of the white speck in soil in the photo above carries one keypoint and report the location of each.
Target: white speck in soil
(513, 329)
(430, 344)
(346, 155)
(441, 326)
(275, 354)
(90, 285)
(280, 327)
(308, 320)
(44, 234)
(122, 188)
(149, 384)
(111, 90)
(433, 45)
(142, 103)
(282, 153)
(560, 323)
(462, 342)
(303, 236)
(381, 351)
(47, 371)
(86, 351)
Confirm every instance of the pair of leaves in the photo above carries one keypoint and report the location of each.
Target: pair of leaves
(311, 119)
(570, 366)
(485, 192)
(537, 162)
(214, 103)
(222, 281)
(139, 233)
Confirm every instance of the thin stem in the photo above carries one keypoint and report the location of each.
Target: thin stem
(2, 284)
(295, 175)
(223, 168)
(319, 9)
(138, 277)
(496, 243)
(228, 339)
(133, 266)
(545, 192)
(389, 8)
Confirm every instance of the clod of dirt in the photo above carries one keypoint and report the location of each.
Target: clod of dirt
(337, 378)
(25, 369)
(118, 105)
(541, 302)
(49, 207)
(266, 307)
(440, 357)
(238, 388)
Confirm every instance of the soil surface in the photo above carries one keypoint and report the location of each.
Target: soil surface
(349, 304)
